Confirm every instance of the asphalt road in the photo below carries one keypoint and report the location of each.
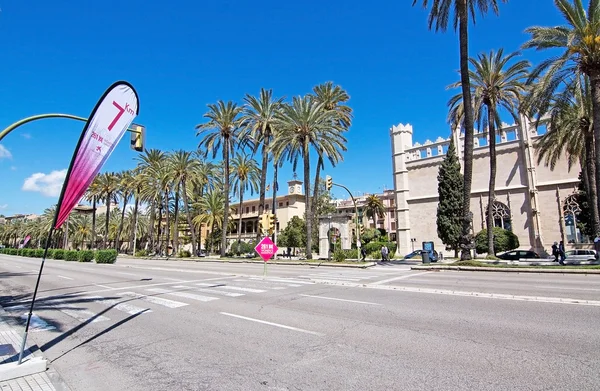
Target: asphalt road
(174, 325)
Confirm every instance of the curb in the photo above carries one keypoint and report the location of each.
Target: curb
(508, 269)
(289, 263)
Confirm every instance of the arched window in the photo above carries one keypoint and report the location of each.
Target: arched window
(501, 215)
(571, 211)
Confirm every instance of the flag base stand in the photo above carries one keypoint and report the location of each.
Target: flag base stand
(15, 370)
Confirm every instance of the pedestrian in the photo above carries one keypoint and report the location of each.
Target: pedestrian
(561, 252)
(555, 252)
(384, 253)
(289, 252)
(363, 253)
(441, 256)
(597, 246)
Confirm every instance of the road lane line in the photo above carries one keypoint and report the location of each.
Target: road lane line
(156, 300)
(335, 298)
(66, 278)
(183, 294)
(127, 274)
(213, 291)
(273, 324)
(80, 315)
(128, 308)
(399, 278)
(232, 288)
(103, 286)
(284, 280)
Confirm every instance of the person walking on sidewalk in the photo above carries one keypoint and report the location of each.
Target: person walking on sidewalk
(363, 253)
(561, 252)
(555, 251)
(384, 253)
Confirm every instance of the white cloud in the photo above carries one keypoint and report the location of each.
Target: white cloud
(4, 153)
(47, 184)
(4, 206)
(26, 136)
(13, 168)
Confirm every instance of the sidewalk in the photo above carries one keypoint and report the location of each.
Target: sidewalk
(31, 375)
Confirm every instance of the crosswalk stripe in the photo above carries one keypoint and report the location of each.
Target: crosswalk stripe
(332, 278)
(259, 280)
(156, 300)
(183, 294)
(232, 288)
(214, 291)
(284, 280)
(125, 307)
(261, 285)
(84, 315)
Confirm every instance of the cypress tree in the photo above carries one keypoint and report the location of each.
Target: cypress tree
(450, 193)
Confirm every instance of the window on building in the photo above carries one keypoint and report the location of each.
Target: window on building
(267, 206)
(393, 225)
(287, 203)
(253, 209)
(247, 209)
(501, 215)
(281, 204)
(573, 221)
(392, 214)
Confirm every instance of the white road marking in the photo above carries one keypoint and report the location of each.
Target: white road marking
(125, 307)
(173, 279)
(233, 288)
(335, 298)
(332, 278)
(103, 286)
(127, 274)
(37, 323)
(399, 278)
(286, 280)
(66, 278)
(18, 267)
(35, 271)
(156, 300)
(262, 283)
(183, 294)
(214, 291)
(85, 315)
(273, 324)
(570, 289)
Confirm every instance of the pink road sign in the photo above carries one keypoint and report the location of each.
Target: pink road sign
(266, 248)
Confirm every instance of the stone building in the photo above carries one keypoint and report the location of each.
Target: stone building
(386, 222)
(533, 201)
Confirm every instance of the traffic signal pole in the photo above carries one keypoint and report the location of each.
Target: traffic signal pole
(331, 183)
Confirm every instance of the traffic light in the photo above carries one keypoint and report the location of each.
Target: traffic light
(362, 229)
(272, 219)
(138, 137)
(264, 221)
(328, 182)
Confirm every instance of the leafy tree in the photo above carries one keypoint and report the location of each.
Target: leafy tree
(504, 240)
(323, 207)
(294, 234)
(374, 208)
(585, 220)
(370, 235)
(450, 192)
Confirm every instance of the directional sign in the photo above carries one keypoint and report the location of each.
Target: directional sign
(266, 248)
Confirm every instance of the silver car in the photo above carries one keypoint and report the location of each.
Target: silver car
(581, 255)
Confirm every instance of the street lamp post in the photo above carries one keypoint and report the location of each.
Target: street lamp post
(356, 214)
(413, 241)
(329, 238)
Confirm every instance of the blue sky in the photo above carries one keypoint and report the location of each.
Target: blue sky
(60, 56)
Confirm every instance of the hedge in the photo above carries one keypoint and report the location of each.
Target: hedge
(106, 256)
(376, 246)
(59, 253)
(504, 240)
(71, 255)
(85, 256)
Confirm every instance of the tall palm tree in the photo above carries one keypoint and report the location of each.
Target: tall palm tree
(221, 132)
(108, 183)
(150, 164)
(211, 212)
(92, 195)
(125, 189)
(82, 227)
(301, 125)
(258, 120)
(333, 98)
(245, 176)
(374, 208)
(137, 184)
(570, 131)
(439, 16)
(183, 165)
(495, 84)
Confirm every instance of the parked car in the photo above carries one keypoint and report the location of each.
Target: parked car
(581, 255)
(515, 255)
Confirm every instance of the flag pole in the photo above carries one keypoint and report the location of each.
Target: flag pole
(37, 284)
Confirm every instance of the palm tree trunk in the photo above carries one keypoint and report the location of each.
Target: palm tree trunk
(168, 227)
(120, 232)
(151, 226)
(158, 244)
(316, 186)
(492, 185)
(176, 224)
(592, 180)
(307, 198)
(133, 224)
(241, 211)
(94, 223)
(263, 182)
(189, 216)
(106, 222)
(226, 193)
(466, 236)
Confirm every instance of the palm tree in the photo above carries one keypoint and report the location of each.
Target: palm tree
(92, 195)
(137, 183)
(580, 42)
(82, 228)
(108, 183)
(211, 212)
(495, 85)
(570, 131)
(125, 189)
(245, 177)
(221, 132)
(183, 165)
(441, 11)
(300, 125)
(258, 120)
(374, 208)
(150, 164)
(333, 99)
